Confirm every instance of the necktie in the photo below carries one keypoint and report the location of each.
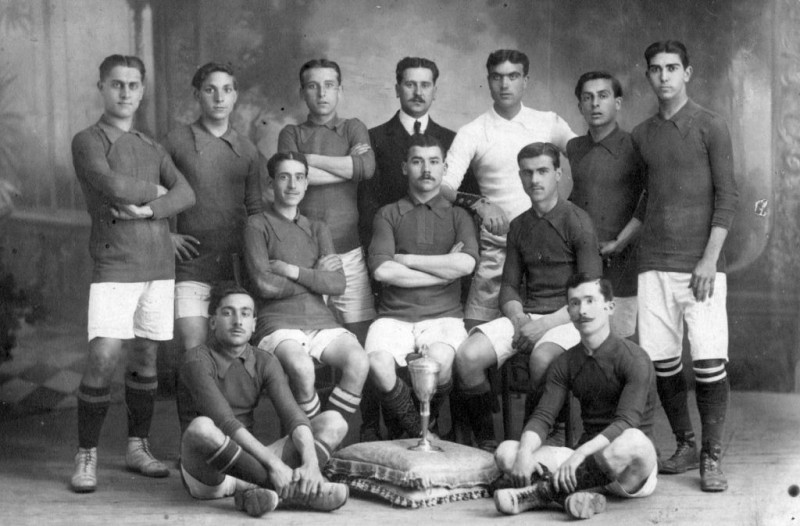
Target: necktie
(417, 127)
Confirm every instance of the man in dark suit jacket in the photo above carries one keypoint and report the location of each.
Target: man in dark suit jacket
(416, 89)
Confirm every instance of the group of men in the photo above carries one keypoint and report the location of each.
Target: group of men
(430, 207)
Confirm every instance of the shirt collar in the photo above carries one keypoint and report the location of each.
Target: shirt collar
(223, 361)
(682, 120)
(300, 220)
(408, 122)
(336, 124)
(611, 142)
(519, 118)
(203, 137)
(113, 133)
(554, 212)
(438, 205)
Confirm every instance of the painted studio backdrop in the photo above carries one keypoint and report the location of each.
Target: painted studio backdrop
(745, 55)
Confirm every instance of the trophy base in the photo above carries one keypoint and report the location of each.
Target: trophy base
(426, 447)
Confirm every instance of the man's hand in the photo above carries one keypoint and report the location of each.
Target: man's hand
(282, 477)
(527, 332)
(281, 268)
(703, 276)
(329, 263)
(564, 478)
(359, 149)
(131, 212)
(308, 480)
(183, 247)
(610, 248)
(523, 467)
(493, 218)
(161, 191)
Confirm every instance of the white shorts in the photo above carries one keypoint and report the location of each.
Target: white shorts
(192, 299)
(483, 294)
(399, 338)
(561, 454)
(666, 302)
(623, 322)
(501, 333)
(356, 303)
(124, 311)
(313, 342)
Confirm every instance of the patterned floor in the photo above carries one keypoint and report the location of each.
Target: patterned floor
(45, 370)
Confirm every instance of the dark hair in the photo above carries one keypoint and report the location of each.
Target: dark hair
(221, 291)
(667, 46)
(204, 71)
(424, 141)
(598, 75)
(415, 62)
(540, 148)
(320, 63)
(583, 277)
(278, 158)
(128, 61)
(507, 55)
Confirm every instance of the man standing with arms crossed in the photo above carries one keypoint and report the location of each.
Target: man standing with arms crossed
(339, 157)
(131, 187)
(607, 176)
(689, 206)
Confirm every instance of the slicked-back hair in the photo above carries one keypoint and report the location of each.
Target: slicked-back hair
(598, 75)
(507, 55)
(540, 148)
(583, 277)
(422, 140)
(127, 61)
(320, 63)
(204, 71)
(222, 290)
(667, 46)
(275, 161)
(415, 62)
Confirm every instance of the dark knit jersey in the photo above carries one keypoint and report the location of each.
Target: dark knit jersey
(543, 252)
(616, 388)
(689, 187)
(608, 179)
(224, 174)
(117, 167)
(227, 389)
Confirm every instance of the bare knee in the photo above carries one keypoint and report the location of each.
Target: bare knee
(506, 454)
(297, 364)
(382, 370)
(630, 449)
(202, 435)
(540, 360)
(329, 427)
(444, 355)
(472, 357)
(356, 363)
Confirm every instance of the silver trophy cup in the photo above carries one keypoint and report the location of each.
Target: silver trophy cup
(424, 377)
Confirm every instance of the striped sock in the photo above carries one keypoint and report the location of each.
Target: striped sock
(343, 401)
(231, 459)
(672, 391)
(93, 405)
(311, 407)
(713, 391)
(324, 452)
(140, 396)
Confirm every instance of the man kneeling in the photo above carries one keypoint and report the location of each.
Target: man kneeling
(614, 381)
(221, 383)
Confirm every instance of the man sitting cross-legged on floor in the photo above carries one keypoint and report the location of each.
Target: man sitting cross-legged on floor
(421, 247)
(223, 380)
(292, 264)
(614, 381)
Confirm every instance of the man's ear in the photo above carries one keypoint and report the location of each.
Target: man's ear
(404, 167)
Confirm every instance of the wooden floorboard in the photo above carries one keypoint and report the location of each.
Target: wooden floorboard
(762, 461)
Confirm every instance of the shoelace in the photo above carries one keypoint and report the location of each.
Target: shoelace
(144, 446)
(89, 461)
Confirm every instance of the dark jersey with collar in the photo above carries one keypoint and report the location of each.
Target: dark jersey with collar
(432, 228)
(608, 180)
(543, 252)
(224, 174)
(616, 387)
(227, 389)
(115, 167)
